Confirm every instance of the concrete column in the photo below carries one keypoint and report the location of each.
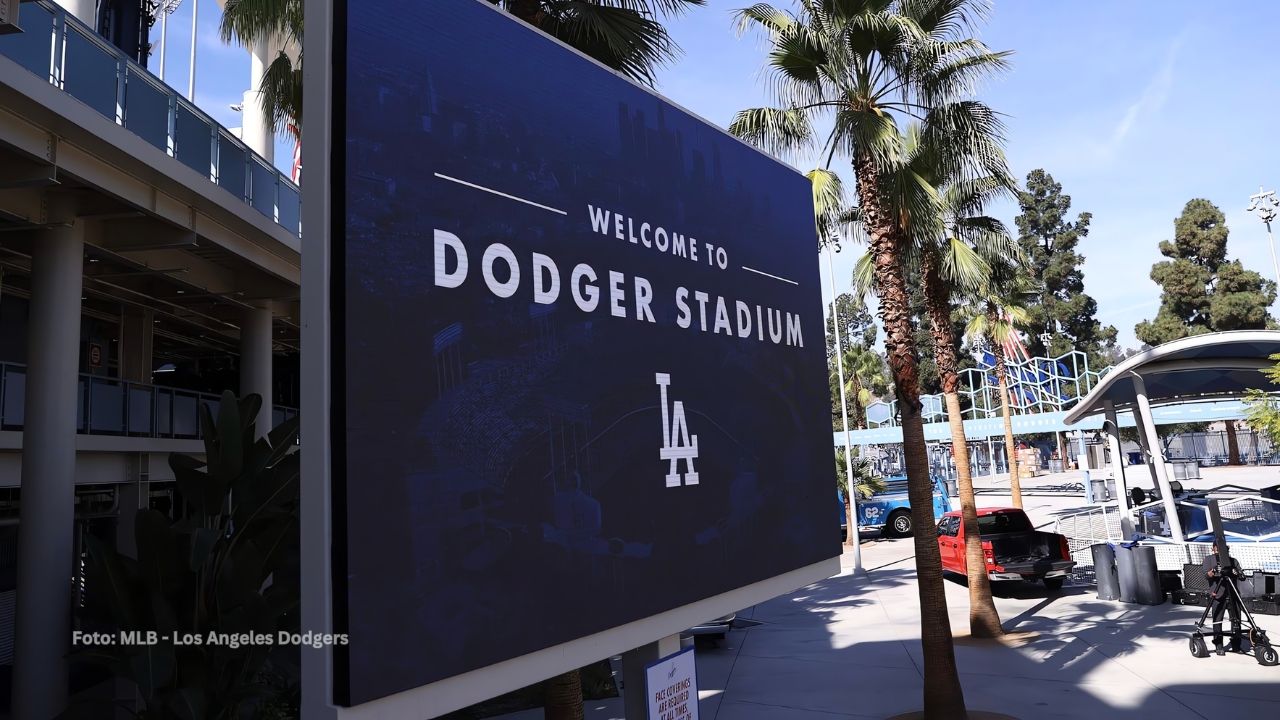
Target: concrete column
(86, 11)
(255, 361)
(1112, 428)
(46, 519)
(1147, 430)
(635, 694)
(137, 333)
(256, 129)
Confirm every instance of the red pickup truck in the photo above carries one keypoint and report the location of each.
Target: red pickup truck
(1014, 549)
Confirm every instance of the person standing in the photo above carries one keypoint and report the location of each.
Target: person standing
(1223, 598)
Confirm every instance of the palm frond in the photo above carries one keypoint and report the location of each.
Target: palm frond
(864, 278)
(773, 21)
(961, 267)
(781, 131)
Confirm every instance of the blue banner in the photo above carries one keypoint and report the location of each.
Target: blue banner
(579, 349)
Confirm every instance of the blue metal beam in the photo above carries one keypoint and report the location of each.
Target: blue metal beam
(1051, 422)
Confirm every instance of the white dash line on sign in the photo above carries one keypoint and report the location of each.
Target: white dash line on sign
(500, 193)
(775, 277)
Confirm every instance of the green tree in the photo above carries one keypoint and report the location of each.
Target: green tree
(626, 35)
(865, 483)
(865, 379)
(961, 169)
(995, 312)
(229, 564)
(1263, 408)
(1202, 291)
(280, 22)
(857, 339)
(956, 260)
(863, 65)
(1049, 241)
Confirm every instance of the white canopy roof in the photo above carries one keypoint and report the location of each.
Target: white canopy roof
(1201, 367)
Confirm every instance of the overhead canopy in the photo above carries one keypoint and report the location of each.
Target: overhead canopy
(1203, 367)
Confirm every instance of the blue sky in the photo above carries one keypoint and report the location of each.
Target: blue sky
(222, 71)
(1134, 108)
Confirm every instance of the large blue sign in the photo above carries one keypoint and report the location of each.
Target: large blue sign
(578, 345)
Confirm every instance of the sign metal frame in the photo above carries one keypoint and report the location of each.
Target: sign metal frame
(322, 537)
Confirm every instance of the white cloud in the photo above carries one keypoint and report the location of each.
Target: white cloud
(1149, 101)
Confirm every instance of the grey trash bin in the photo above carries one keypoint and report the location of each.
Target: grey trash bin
(1139, 578)
(1104, 568)
(1150, 591)
(1098, 489)
(1126, 576)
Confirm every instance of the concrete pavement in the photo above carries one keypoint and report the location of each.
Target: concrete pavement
(848, 647)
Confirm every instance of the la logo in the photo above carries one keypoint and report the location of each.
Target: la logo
(677, 444)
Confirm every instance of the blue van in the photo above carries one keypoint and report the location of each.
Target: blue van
(890, 511)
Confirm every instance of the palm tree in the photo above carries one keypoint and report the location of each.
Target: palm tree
(995, 313)
(279, 23)
(865, 484)
(961, 168)
(864, 380)
(862, 64)
(626, 35)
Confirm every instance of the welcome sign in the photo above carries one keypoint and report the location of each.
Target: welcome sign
(579, 368)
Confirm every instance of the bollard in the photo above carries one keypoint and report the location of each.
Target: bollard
(1104, 568)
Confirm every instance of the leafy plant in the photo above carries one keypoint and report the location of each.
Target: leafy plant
(1263, 410)
(215, 586)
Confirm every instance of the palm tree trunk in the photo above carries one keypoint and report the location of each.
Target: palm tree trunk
(943, 696)
(564, 697)
(1233, 445)
(1015, 483)
(984, 619)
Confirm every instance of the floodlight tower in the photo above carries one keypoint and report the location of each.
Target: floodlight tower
(1264, 203)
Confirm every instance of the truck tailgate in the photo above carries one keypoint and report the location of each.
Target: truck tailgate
(1025, 548)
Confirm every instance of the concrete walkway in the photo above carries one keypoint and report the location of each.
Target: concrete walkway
(849, 647)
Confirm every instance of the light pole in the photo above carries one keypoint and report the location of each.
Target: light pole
(191, 70)
(1264, 203)
(852, 521)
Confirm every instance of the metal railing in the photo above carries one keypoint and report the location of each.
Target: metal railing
(1251, 524)
(109, 406)
(72, 57)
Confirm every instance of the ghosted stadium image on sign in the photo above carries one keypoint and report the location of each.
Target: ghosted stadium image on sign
(578, 346)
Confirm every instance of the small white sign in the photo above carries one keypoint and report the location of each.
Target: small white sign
(672, 683)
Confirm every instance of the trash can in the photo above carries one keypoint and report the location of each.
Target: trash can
(1104, 569)
(952, 488)
(1098, 489)
(1111, 488)
(1139, 578)
(1150, 590)
(1125, 575)
(1135, 458)
(1055, 465)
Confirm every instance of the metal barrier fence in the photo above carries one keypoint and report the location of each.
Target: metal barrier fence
(1256, 550)
(72, 57)
(109, 406)
(1210, 448)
